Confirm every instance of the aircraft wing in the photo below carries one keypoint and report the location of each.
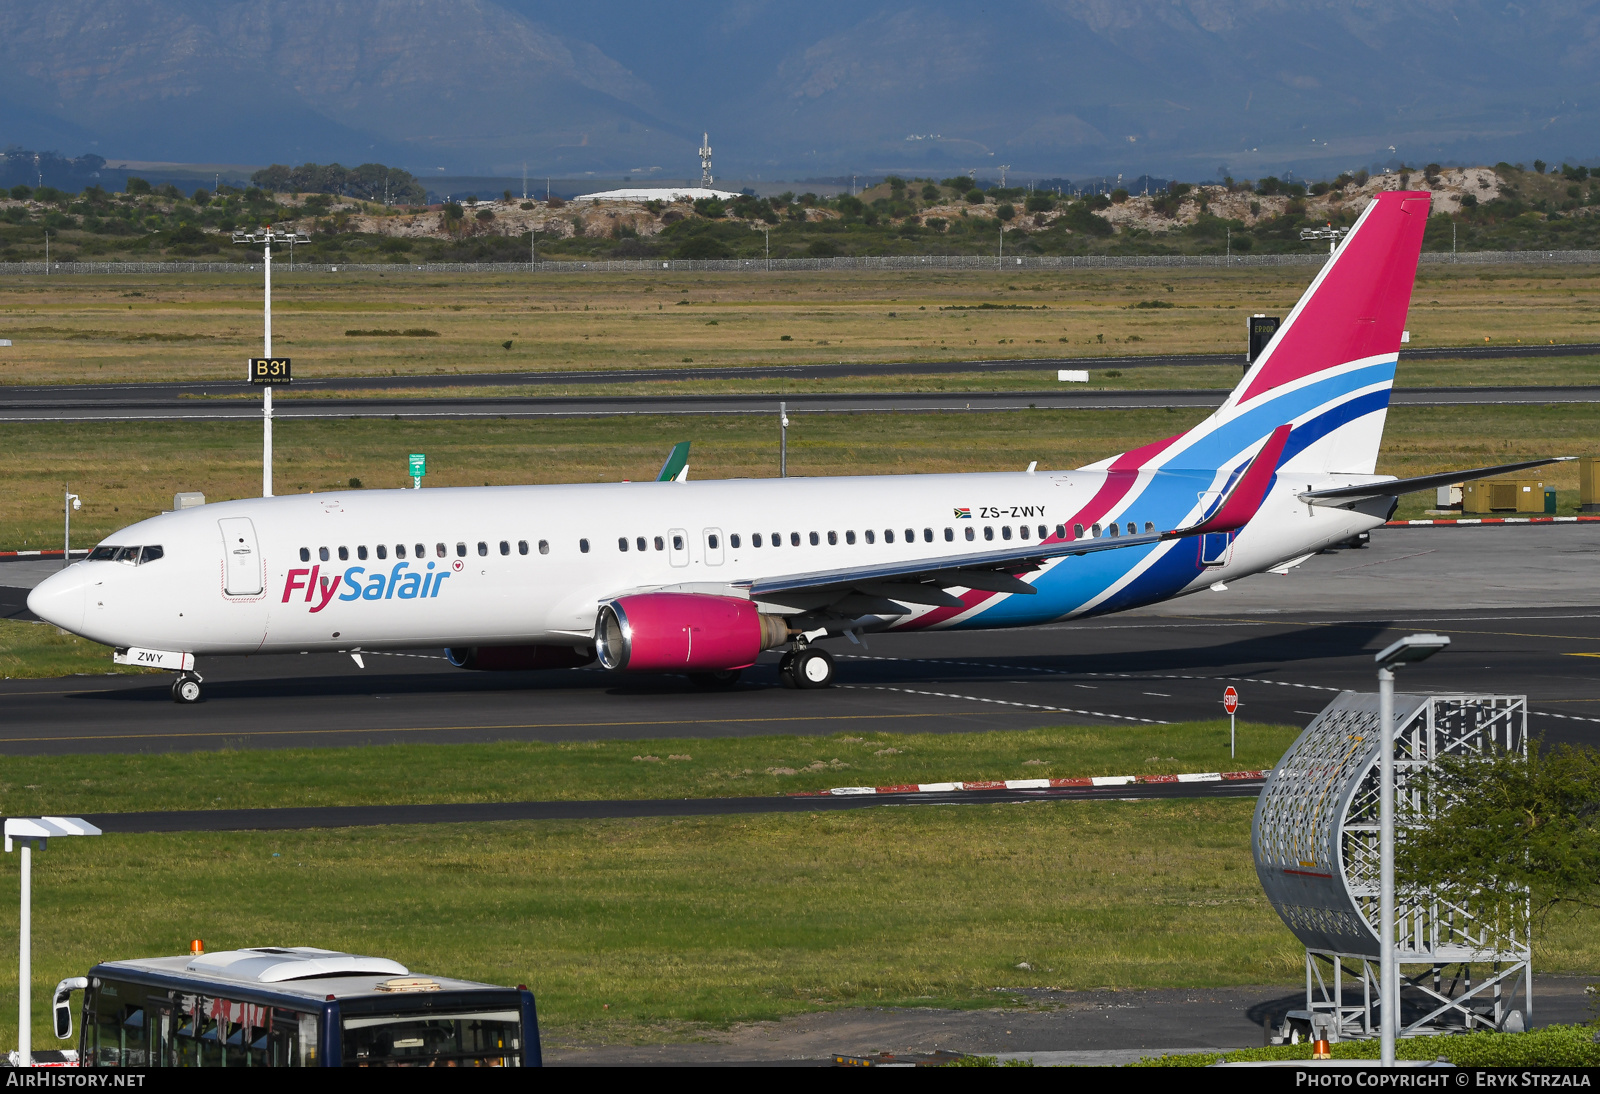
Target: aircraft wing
(923, 581)
(1341, 495)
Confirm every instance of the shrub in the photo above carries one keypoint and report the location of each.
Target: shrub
(1243, 243)
(974, 196)
(485, 215)
(822, 248)
(453, 210)
(1005, 210)
(556, 202)
(1079, 218)
(1118, 196)
(937, 224)
(962, 183)
(712, 208)
(1040, 202)
(849, 206)
(930, 192)
(136, 185)
(703, 247)
(1469, 201)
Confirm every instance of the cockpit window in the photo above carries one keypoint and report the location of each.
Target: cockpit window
(103, 553)
(149, 554)
(127, 554)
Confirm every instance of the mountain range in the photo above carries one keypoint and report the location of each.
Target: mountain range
(1188, 88)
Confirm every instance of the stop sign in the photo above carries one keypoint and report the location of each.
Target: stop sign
(1230, 699)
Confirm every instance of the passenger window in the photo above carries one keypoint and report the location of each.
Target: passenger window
(888, 535)
(677, 543)
(1114, 529)
(988, 532)
(522, 546)
(1096, 530)
(344, 554)
(872, 536)
(1133, 528)
(927, 535)
(971, 535)
(305, 553)
(1044, 533)
(733, 541)
(583, 546)
(383, 552)
(483, 548)
(814, 539)
(911, 535)
(850, 537)
(150, 554)
(1077, 531)
(322, 553)
(399, 550)
(1149, 527)
(461, 550)
(949, 535)
(422, 550)
(1022, 530)
(711, 542)
(1005, 531)
(361, 553)
(641, 544)
(660, 544)
(755, 540)
(622, 544)
(544, 546)
(505, 547)
(833, 539)
(794, 539)
(438, 549)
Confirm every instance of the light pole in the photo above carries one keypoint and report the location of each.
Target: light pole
(29, 831)
(267, 237)
(68, 504)
(1330, 233)
(1413, 647)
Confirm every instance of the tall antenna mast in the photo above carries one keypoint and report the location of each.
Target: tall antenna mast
(705, 160)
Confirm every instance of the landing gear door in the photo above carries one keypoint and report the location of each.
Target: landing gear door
(242, 569)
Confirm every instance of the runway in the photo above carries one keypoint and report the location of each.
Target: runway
(65, 408)
(138, 394)
(1519, 601)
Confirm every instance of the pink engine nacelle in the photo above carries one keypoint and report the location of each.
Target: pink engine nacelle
(684, 632)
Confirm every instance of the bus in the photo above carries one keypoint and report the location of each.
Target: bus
(292, 1007)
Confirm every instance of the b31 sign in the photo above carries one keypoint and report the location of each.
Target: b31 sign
(269, 370)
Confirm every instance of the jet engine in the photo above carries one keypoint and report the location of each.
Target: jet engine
(518, 658)
(684, 632)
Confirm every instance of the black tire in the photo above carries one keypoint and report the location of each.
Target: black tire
(812, 668)
(786, 671)
(186, 690)
(721, 680)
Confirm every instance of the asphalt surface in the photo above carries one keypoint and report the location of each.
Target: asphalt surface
(1520, 602)
(132, 393)
(65, 407)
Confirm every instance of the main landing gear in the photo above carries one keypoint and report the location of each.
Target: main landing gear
(806, 667)
(186, 688)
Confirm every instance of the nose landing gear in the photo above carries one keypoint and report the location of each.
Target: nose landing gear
(186, 688)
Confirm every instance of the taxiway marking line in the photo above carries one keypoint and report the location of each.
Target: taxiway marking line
(1005, 703)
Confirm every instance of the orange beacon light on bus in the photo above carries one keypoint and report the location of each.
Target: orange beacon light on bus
(197, 946)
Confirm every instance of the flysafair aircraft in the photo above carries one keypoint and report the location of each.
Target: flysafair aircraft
(698, 578)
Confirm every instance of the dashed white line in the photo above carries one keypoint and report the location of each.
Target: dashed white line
(1101, 675)
(1004, 702)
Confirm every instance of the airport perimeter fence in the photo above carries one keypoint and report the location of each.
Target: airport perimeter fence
(777, 265)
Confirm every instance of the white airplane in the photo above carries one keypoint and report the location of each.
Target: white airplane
(700, 577)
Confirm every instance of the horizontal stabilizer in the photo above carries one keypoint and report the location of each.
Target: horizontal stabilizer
(1395, 487)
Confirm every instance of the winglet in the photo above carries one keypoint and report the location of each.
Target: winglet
(676, 469)
(1250, 491)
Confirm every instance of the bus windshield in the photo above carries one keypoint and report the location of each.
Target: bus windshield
(468, 1039)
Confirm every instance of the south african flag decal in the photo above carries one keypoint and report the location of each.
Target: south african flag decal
(963, 514)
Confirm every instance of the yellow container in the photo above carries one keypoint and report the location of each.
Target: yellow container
(1503, 496)
(1589, 483)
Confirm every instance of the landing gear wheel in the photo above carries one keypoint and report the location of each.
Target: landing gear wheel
(786, 671)
(186, 689)
(720, 680)
(812, 668)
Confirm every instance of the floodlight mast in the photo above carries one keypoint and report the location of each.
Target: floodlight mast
(1413, 647)
(267, 237)
(1330, 233)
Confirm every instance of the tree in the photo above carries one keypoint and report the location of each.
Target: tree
(702, 246)
(1522, 832)
(961, 183)
(974, 196)
(1538, 167)
(1005, 210)
(136, 185)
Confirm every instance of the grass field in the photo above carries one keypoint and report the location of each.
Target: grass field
(650, 929)
(585, 770)
(126, 471)
(106, 328)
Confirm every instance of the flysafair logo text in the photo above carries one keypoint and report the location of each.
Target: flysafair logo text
(401, 582)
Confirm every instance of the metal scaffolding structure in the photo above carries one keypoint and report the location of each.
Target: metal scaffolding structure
(1315, 839)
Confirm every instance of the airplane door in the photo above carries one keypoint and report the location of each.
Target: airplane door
(679, 542)
(713, 545)
(242, 568)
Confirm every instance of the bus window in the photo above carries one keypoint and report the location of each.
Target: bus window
(117, 1036)
(475, 1039)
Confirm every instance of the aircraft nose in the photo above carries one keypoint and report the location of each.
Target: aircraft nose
(60, 599)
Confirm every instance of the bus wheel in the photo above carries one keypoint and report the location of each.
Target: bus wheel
(812, 668)
(186, 689)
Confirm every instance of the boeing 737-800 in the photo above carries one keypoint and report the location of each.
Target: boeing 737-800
(700, 577)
